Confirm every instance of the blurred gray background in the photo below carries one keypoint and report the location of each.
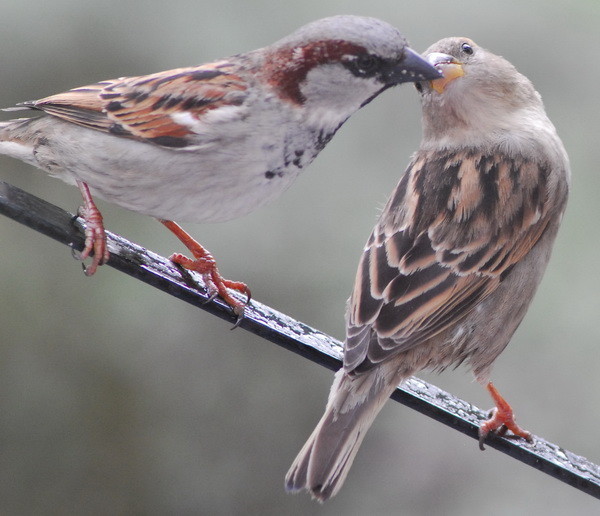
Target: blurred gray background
(115, 398)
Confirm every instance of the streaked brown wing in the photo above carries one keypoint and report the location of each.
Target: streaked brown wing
(149, 108)
(451, 232)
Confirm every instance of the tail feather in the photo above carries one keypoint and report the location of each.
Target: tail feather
(325, 460)
(12, 145)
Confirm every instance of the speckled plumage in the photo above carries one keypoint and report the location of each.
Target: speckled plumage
(212, 142)
(216, 141)
(456, 256)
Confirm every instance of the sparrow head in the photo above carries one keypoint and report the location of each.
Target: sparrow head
(338, 64)
(480, 94)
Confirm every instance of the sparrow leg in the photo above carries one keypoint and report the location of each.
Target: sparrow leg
(205, 264)
(95, 235)
(501, 420)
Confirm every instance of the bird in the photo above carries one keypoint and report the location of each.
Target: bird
(213, 142)
(455, 257)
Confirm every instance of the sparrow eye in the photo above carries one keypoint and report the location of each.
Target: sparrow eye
(419, 87)
(365, 65)
(467, 49)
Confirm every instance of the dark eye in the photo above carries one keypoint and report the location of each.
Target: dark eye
(365, 65)
(419, 87)
(467, 49)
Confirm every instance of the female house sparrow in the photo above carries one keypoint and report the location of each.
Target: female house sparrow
(456, 256)
(212, 142)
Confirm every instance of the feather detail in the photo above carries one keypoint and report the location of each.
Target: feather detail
(165, 108)
(454, 228)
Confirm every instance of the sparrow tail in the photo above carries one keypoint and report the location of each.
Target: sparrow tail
(10, 145)
(354, 401)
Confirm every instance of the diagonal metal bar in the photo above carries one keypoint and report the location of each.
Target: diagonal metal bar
(294, 336)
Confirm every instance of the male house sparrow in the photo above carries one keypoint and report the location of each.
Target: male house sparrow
(456, 256)
(212, 142)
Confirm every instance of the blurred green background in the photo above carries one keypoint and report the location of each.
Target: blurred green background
(117, 399)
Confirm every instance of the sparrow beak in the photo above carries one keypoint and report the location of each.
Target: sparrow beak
(411, 68)
(450, 67)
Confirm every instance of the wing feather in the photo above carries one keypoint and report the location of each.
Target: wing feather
(165, 108)
(452, 231)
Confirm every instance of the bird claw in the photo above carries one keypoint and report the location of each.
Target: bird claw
(238, 321)
(501, 420)
(204, 264)
(96, 244)
(216, 285)
(221, 286)
(213, 294)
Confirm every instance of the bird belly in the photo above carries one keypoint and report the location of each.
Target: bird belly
(212, 183)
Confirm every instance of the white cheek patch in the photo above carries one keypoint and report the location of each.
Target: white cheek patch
(333, 94)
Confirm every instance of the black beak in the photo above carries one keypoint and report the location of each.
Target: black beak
(411, 68)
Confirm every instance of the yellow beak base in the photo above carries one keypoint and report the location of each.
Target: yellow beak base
(451, 71)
